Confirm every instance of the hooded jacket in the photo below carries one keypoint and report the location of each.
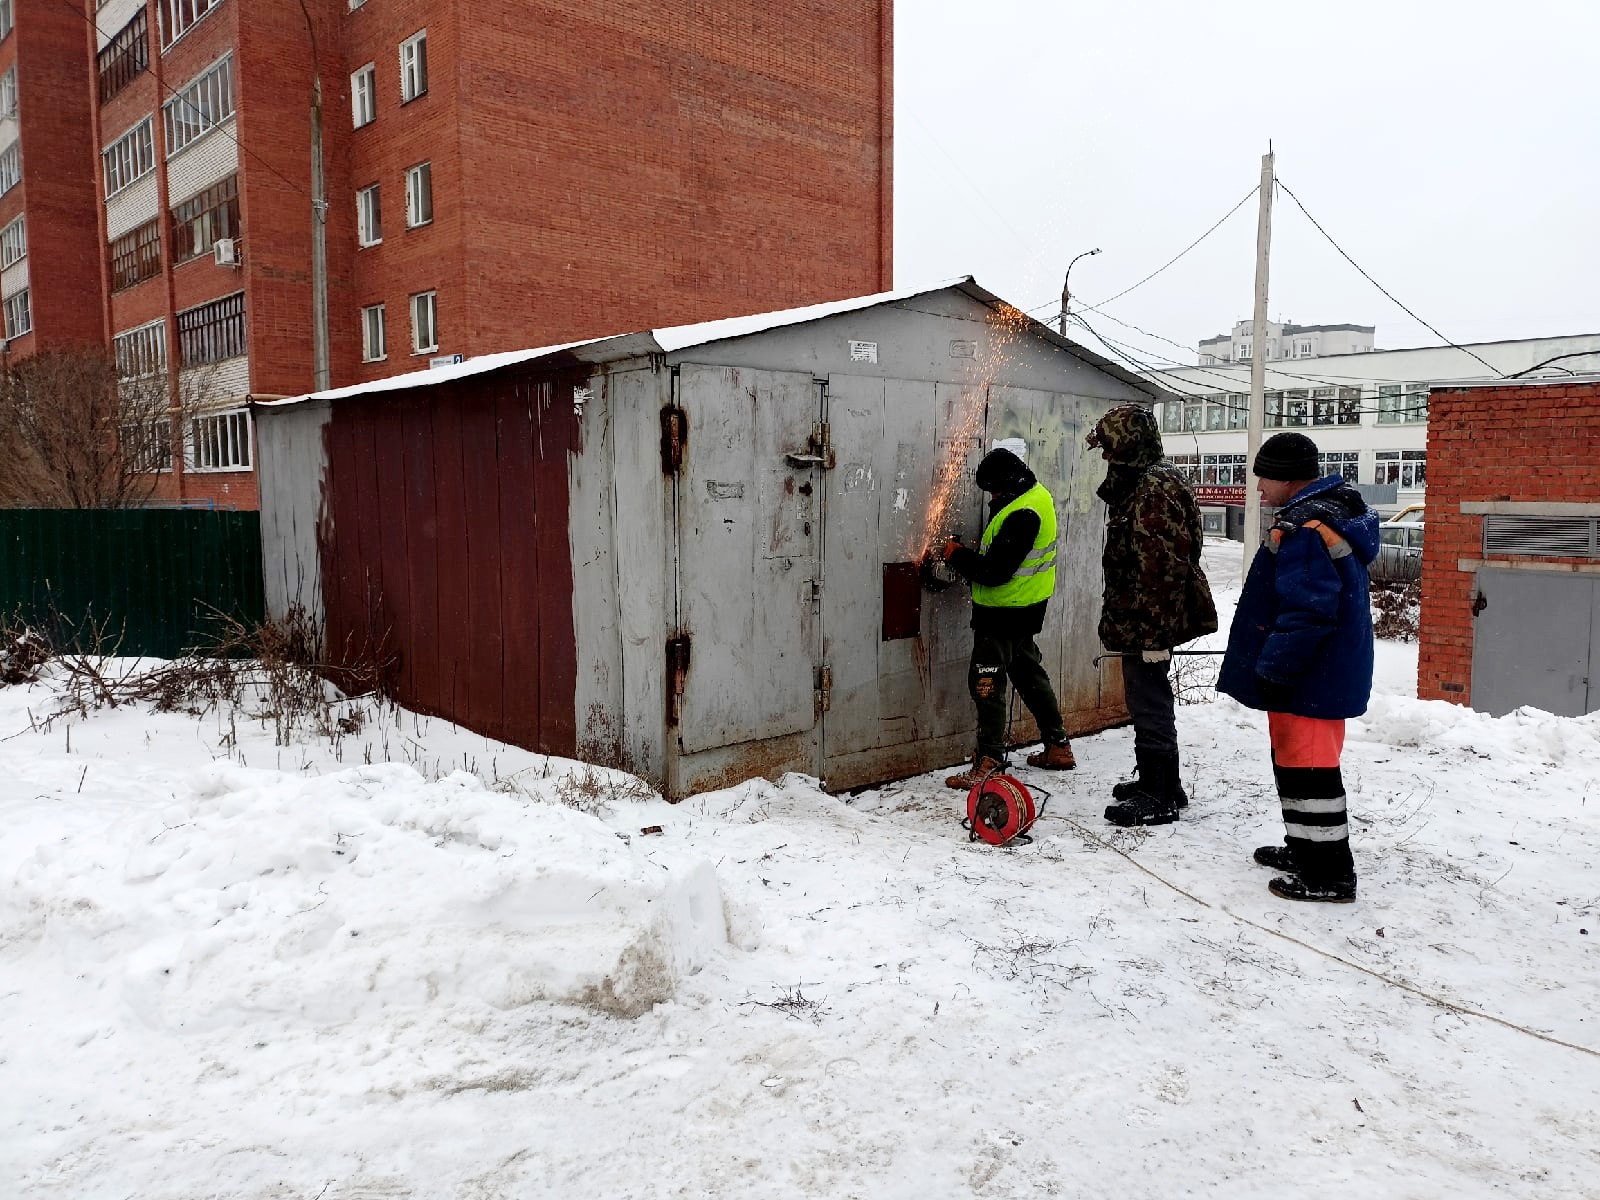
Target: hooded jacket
(1156, 595)
(1304, 622)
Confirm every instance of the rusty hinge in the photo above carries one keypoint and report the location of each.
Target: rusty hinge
(824, 688)
(674, 435)
(677, 671)
(818, 451)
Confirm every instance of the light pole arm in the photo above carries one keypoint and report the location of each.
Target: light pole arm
(1066, 294)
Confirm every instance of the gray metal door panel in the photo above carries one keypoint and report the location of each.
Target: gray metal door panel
(1534, 642)
(946, 628)
(748, 555)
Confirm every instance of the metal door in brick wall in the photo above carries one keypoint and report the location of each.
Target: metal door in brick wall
(749, 567)
(1536, 641)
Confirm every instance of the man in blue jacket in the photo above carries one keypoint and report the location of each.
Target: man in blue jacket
(1301, 649)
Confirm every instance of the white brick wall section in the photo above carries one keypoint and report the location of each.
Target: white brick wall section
(197, 166)
(131, 207)
(8, 131)
(14, 278)
(117, 13)
(216, 385)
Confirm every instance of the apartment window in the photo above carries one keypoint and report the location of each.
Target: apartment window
(197, 223)
(369, 216)
(10, 168)
(364, 96)
(1405, 468)
(199, 108)
(13, 243)
(141, 352)
(212, 332)
(424, 323)
(124, 57)
(8, 93)
(413, 66)
(19, 316)
(1343, 463)
(373, 348)
(136, 256)
(1303, 350)
(178, 15)
(147, 445)
(1244, 351)
(419, 195)
(5, 18)
(131, 157)
(1272, 410)
(220, 442)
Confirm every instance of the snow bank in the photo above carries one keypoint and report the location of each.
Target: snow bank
(253, 893)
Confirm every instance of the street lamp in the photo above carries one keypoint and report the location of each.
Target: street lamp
(1065, 295)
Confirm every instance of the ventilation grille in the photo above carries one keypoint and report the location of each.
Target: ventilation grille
(1541, 537)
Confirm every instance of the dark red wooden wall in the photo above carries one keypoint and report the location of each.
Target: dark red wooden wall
(445, 552)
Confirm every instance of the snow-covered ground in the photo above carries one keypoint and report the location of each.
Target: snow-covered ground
(233, 970)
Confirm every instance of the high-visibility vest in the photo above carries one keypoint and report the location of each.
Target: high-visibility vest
(1035, 579)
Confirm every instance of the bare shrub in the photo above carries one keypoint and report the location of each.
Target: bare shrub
(1397, 610)
(23, 651)
(1194, 678)
(590, 789)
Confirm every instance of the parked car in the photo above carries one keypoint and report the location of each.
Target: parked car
(1399, 552)
(1411, 512)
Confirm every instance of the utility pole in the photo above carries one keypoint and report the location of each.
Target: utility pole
(320, 377)
(1258, 363)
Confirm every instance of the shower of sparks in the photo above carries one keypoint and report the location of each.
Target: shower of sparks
(1006, 326)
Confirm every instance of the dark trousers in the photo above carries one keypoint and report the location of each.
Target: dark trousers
(1147, 690)
(995, 659)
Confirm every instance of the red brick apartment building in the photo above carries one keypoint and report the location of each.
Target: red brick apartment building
(499, 173)
(1511, 564)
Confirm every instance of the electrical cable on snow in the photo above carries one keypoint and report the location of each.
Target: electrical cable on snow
(1328, 954)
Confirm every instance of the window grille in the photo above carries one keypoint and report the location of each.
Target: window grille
(125, 57)
(212, 332)
(141, 352)
(220, 442)
(132, 156)
(1540, 537)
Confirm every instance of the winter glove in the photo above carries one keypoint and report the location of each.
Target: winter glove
(1275, 697)
(950, 547)
(1156, 656)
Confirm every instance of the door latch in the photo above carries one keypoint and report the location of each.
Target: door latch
(818, 451)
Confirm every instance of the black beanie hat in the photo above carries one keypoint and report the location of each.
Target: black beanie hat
(1288, 458)
(1002, 471)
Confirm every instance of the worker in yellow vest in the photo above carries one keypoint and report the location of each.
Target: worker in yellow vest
(1013, 575)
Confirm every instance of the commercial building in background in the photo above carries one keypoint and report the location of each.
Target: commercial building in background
(486, 188)
(1367, 412)
(1286, 340)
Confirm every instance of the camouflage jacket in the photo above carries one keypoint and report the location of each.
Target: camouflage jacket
(1156, 594)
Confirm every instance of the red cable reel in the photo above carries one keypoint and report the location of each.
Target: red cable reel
(999, 810)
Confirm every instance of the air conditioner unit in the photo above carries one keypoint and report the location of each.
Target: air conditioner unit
(226, 252)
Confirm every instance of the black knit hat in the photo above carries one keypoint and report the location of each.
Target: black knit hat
(1288, 457)
(1003, 472)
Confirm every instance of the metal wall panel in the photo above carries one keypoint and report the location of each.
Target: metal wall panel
(148, 579)
(291, 466)
(113, 15)
(210, 160)
(1533, 642)
(749, 539)
(132, 207)
(14, 278)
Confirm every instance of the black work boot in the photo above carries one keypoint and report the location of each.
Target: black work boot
(1325, 891)
(1156, 798)
(1131, 787)
(1279, 858)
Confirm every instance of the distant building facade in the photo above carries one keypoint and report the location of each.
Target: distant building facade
(498, 176)
(1367, 411)
(1286, 340)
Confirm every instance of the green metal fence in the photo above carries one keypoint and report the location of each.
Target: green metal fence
(152, 578)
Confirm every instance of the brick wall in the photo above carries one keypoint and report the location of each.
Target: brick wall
(1521, 443)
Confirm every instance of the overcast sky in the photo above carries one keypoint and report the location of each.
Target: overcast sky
(1452, 148)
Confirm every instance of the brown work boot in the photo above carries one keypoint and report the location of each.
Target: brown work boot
(1054, 758)
(976, 774)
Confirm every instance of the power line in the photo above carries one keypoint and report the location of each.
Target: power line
(1453, 345)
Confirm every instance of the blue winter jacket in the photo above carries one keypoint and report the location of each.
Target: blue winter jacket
(1304, 621)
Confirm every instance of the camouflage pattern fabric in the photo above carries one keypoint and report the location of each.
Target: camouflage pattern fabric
(1156, 595)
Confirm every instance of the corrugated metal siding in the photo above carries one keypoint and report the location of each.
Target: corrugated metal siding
(212, 159)
(132, 207)
(113, 15)
(446, 546)
(148, 576)
(215, 385)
